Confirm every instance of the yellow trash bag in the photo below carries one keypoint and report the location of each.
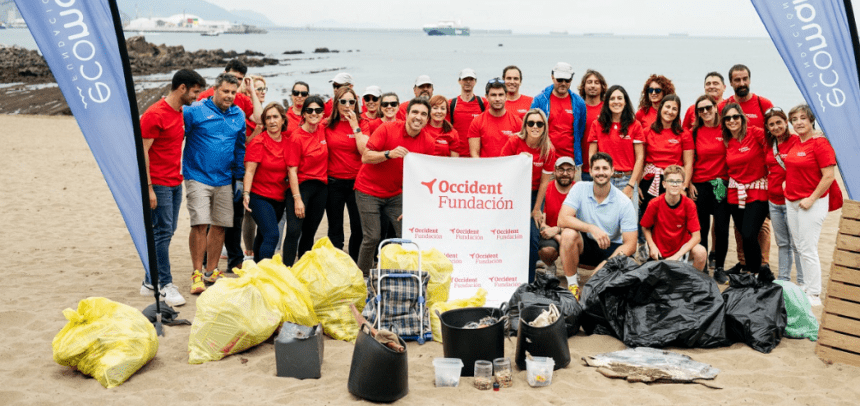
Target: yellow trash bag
(232, 316)
(436, 325)
(107, 340)
(334, 281)
(281, 290)
(433, 261)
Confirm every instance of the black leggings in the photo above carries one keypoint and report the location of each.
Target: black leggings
(644, 185)
(341, 193)
(299, 237)
(707, 206)
(748, 221)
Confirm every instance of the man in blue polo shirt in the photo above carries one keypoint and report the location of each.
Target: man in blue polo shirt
(214, 152)
(597, 220)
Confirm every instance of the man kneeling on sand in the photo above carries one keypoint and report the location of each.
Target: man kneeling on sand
(597, 220)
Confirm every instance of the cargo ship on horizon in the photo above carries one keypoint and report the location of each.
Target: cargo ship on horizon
(446, 27)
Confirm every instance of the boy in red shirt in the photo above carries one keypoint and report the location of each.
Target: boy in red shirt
(550, 232)
(671, 225)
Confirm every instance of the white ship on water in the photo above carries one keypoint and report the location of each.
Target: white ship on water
(446, 27)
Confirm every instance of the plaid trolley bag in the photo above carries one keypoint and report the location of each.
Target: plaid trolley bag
(396, 299)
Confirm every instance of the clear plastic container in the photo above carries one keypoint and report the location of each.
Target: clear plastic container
(502, 372)
(483, 375)
(539, 371)
(447, 372)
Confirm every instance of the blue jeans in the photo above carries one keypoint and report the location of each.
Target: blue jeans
(534, 239)
(164, 220)
(266, 213)
(779, 220)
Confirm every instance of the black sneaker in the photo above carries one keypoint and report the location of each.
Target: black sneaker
(737, 269)
(712, 260)
(721, 277)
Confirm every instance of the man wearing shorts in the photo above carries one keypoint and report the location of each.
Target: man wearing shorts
(214, 151)
(550, 233)
(597, 220)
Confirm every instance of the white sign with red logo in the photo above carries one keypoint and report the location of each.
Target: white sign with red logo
(476, 211)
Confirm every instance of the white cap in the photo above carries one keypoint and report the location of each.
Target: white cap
(342, 78)
(373, 91)
(468, 73)
(564, 160)
(562, 70)
(423, 80)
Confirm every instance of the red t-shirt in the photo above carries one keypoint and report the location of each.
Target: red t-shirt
(519, 106)
(775, 173)
(401, 114)
(444, 142)
(561, 125)
(309, 152)
(462, 120)
(665, 148)
(365, 116)
(385, 179)
(753, 108)
(328, 108)
(293, 121)
(241, 101)
(710, 162)
(746, 164)
(592, 112)
(689, 118)
(646, 119)
(618, 146)
(270, 178)
(166, 127)
(494, 132)
(803, 167)
(673, 226)
(552, 204)
(343, 157)
(516, 145)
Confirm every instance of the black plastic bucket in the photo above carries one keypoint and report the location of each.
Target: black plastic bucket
(470, 345)
(377, 373)
(549, 341)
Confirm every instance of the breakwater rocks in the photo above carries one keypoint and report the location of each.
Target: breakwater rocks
(22, 65)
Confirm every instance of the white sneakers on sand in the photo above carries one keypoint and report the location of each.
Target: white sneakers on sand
(815, 301)
(170, 293)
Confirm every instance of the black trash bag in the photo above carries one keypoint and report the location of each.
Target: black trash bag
(755, 312)
(168, 315)
(658, 304)
(543, 291)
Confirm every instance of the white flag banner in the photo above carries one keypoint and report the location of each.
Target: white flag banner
(476, 211)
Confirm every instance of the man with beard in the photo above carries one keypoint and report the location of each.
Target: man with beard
(379, 184)
(490, 130)
(423, 89)
(517, 103)
(592, 89)
(565, 112)
(753, 105)
(714, 87)
(550, 232)
(597, 221)
(465, 107)
(162, 130)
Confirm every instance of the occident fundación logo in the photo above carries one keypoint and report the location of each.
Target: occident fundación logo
(425, 233)
(469, 195)
(507, 234)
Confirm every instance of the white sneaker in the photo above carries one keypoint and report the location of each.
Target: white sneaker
(147, 289)
(814, 300)
(802, 287)
(172, 296)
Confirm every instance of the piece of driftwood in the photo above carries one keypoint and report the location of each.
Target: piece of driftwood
(651, 365)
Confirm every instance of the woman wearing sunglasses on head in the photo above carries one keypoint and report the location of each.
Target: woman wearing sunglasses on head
(779, 142)
(747, 193)
(617, 133)
(307, 163)
(345, 135)
(446, 138)
(656, 88)
(809, 176)
(710, 180)
(294, 114)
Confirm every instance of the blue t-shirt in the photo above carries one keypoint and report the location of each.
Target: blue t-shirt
(214, 143)
(615, 215)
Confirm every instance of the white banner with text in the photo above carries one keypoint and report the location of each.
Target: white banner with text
(476, 211)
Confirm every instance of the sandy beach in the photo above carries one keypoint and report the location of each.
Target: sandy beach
(66, 241)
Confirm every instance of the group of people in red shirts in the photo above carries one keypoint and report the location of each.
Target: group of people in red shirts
(318, 157)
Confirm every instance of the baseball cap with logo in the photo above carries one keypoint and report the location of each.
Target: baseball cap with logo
(562, 70)
(564, 160)
(468, 73)
(423, 80)
(373, 91)
(342, 78)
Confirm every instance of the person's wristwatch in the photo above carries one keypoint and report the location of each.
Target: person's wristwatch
(386, 154)
(356, 130)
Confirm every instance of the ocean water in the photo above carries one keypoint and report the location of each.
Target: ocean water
(393, 60)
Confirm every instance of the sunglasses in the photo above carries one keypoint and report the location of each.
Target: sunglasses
(262, 89)
(344, 102)
(568, 170)
(300, 94)
(774, 109)
(564, 80)
(370, 98)
(704, 109)
(388, 104)
(675, 182)
(654, 90)
(733, 117)
(496, 80)
(538, 124)
(314, 110)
